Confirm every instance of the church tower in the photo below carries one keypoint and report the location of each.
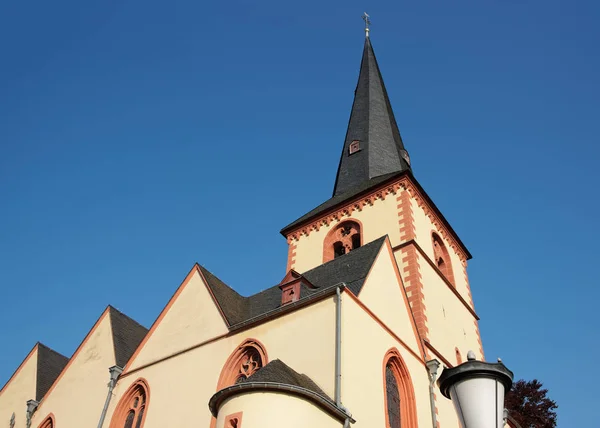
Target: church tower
(376, 194)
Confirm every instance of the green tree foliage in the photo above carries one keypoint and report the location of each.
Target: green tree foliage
(528, 404)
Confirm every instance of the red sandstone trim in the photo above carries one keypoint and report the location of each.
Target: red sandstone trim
(466, 275)
(122, 409)
(234, 420)
(75, 354)
(49, 422)
(438, 354)
(412, 277)
(231, 367)
(172, 300)
(381, 192)
(409, 310)
(448, 271)
(428, 260)
(331, 238)
(458, 356)
(419, 358)
(14, 375)
(406, 219)
(408, 406)
(291, 261)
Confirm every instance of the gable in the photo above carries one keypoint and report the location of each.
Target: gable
(383, 293)
(82, 383)
(19, 388)
(191, 317)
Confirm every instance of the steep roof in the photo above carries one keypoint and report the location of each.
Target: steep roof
(127, 335)
(49, 365)
(277, 371)
(373, 125)
(278, 377)
(351, 268)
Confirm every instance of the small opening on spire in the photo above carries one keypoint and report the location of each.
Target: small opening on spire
(354, 147)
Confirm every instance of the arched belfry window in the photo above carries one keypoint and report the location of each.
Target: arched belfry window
(441, 257)
(131, 410)
(399, 396)
(47, 423)
(342, 239)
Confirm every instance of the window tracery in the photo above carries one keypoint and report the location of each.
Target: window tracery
(246, 360)
(441, 257)
(47, 423)
(250, 363)
(344, 238)
(399, 396)
(131, 410)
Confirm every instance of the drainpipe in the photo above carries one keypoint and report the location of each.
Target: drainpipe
(432, 367)
(114, 371)
(338, 346)
(32, 406)
(338, 353)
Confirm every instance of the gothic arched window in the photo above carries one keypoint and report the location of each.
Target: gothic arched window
(399, 396)
(441, 257)
(48, 422)
(342, 239)
(392, 394)
(131, 410)
(242, 363)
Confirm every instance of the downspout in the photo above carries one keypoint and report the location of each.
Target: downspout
(338, 352)
(114, 371)
(338, 346)
(432, 368)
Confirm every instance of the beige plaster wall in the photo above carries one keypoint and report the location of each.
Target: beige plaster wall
(384, 295)
(377, 220)
(76, 400)
(364, 345)
(191, 319)
(275, 410)
(450, 323)
(304, 340)
(423, 229)
(19, 389)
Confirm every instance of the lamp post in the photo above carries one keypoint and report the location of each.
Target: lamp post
(477, 389)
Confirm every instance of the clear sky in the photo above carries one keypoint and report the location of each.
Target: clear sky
(138, 137)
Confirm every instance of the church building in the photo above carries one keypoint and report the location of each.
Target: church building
(375, 302)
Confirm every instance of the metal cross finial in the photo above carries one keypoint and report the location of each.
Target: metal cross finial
(365, 18)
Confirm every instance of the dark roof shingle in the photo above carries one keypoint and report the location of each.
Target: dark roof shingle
(351, 269)
(127, 335)
(49, 365)
(277, 371)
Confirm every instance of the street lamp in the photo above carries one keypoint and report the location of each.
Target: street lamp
(477, 389)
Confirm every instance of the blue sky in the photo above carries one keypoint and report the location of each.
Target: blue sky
(137, 138)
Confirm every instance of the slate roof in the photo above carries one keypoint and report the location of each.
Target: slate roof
(49, 365)
(372, 123)
(277, 371)
(351, 268)
(127, 335)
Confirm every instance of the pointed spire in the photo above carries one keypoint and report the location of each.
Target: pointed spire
(373, 146)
